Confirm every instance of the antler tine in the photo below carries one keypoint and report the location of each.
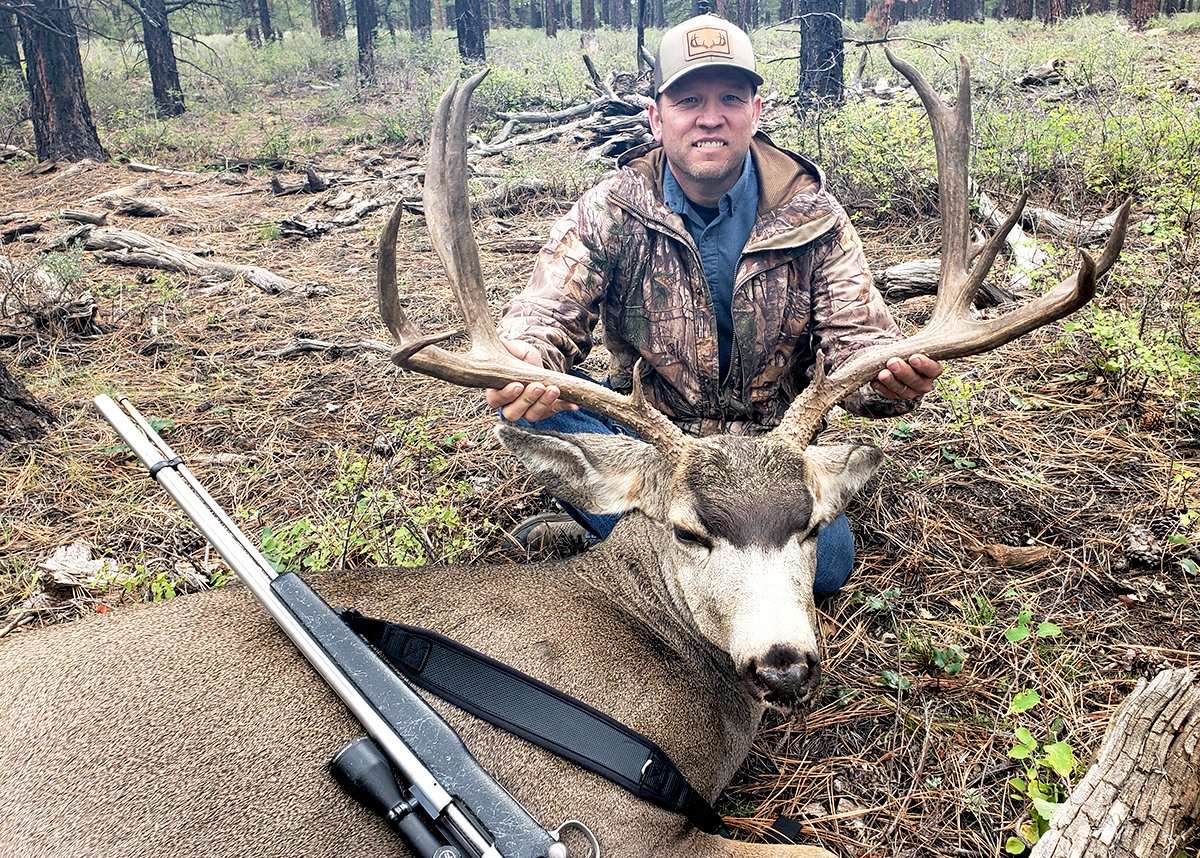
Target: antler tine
(488, 363)
(952, 330)
(448, 212)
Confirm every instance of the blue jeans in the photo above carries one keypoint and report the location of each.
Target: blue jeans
(835, 542)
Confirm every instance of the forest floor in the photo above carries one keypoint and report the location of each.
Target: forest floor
(1028, 552)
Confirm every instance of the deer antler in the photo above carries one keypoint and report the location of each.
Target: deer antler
(487, 363)
(952, 331)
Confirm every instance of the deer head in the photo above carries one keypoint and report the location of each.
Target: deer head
(730, 521)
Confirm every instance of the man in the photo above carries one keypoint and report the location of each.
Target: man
(719, 260)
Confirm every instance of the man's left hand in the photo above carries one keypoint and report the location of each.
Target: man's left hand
(907, 379)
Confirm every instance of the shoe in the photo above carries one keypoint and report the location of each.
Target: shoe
(551, 532)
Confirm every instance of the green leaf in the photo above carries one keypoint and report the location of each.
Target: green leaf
(1060, 756)
(1019, 784)
(1024, 701)
(893, 680)
(1044, 809)
(1014, 846)
(1048, 630)
(1020, 752)
(1016, 634)
(1024, 736)
(1189, 566)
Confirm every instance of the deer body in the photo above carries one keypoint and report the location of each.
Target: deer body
(194, 727)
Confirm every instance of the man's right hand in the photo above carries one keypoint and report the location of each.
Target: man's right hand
(532, 402)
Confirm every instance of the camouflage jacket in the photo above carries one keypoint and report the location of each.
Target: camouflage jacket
(802, 283)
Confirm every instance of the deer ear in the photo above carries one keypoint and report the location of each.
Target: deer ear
(835, 473)
(601, 474)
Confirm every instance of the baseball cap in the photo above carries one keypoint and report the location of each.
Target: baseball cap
(702, 42)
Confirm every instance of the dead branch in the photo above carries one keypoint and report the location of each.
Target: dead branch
(129, 247)
(1048, 73)
(485, 150)
(138, 167)
(503, 199)
(9, 152)
(308, 345)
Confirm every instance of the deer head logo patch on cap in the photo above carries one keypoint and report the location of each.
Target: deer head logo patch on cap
(707, 42)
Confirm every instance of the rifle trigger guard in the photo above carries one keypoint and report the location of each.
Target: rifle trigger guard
(593, 843)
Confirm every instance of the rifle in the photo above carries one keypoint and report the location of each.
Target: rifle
(443, 804)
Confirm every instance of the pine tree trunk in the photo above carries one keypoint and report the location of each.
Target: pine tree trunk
(327, 18)
(420, 20)
(22, 418)
(62, 121)
(568, 15)
(641, 35)
(339, 18)
(9, 54)
(1053, 10)
(821, 54)
(1144, 790)
(366, 20)
(860, 10)
(1097, 7)
(504, 13)
(587, 14)
(468, 21)
(550, 16)
(785, 10)
(1024, 10)
(660, 14)
(160, 58)
(1142, 11)
(264, 22)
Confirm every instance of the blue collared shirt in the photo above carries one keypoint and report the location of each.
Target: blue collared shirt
(720, 242)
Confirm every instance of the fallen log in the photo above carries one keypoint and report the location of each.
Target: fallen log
(1025, 257)
(1142, 796)
(920, 277)
(1048, 73)
(1074, 230)
(129, 247)
(8, 152)
(77, 216)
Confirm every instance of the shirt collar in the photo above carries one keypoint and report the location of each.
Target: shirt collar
(729, 203)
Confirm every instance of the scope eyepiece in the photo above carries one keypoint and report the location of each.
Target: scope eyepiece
(367, 776)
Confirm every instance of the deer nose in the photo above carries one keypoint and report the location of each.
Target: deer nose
(788, 675)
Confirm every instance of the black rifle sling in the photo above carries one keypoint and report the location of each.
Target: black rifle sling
(506, 698)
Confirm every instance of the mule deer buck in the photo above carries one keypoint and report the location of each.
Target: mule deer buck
(193, 727)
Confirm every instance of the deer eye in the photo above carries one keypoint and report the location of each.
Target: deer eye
(691, 537)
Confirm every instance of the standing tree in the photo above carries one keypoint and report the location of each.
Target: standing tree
(327, 19)
(1141, 11)
(420, 18)
(62, 121)
(468, 20)
(264, 22)
(551, 18)
(821, 54)
(160, 57)
(785, 10)
(504, 13)
(366, 19)
(9, 55)
(587, 14)
(1054, 10)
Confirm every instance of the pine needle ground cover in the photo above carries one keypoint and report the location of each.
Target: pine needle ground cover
(1029, 550)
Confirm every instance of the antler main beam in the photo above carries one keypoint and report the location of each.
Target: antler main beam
(952, 330)
(487, 363)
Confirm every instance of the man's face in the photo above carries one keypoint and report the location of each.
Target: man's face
(705, 122)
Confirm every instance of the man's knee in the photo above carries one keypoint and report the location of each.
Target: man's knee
(835, 556)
